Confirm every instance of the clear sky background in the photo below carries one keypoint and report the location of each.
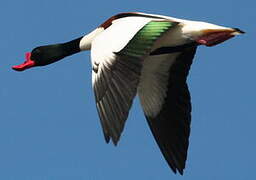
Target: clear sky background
(49, 127)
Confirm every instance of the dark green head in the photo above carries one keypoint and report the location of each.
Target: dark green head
(44, 55)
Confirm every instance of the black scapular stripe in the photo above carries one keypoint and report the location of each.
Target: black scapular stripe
(173, 49)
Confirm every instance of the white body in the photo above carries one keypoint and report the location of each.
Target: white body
(117, 78)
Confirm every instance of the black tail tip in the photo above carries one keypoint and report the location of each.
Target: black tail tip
(239, 30)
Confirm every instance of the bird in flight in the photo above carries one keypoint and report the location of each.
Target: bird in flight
(145, 54)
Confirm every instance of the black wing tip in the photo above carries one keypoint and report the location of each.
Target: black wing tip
(180, 171)
(107, 139)
(175, 169)
(114, 140)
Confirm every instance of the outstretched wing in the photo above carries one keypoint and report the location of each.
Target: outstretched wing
(165, 99)
(117, 57)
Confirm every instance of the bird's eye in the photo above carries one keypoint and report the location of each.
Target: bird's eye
(36, 51)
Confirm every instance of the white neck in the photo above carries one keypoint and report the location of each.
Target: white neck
(86, 41)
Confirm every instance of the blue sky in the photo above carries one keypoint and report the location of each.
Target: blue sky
(49, 127)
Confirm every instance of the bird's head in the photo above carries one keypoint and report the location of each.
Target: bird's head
(40, 56)
(208, 34)
(44, 55)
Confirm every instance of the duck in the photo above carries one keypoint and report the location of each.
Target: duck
(142, 54)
